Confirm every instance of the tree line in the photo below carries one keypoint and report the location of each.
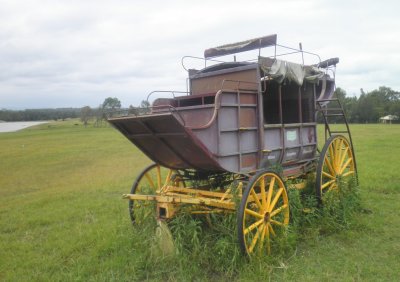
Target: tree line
(109, 107)
(370, 107)
(39, 114)
(367, 108)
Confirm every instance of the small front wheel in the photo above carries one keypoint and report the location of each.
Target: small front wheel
(336, 165)
(150, 182)
(263, 213)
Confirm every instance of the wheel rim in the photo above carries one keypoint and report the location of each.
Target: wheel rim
(264, 213)
(336, 165)
(151, 181)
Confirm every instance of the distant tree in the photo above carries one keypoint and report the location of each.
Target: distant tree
(395, 108)
(350, 108)
(109, 106)
(145, 106)
(377, 103)
(99, 115)
(133, 110)
(366, 109)
(340, 94)
(86, 114)
(349, 104)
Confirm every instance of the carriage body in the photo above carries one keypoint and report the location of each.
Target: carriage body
(240, 130)
(236, 117)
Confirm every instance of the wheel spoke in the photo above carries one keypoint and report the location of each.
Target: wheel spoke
(276, 222)
(329, 165)
(262, 189)
(167, 180)
(328, 175)
(332, 187)
(253, 213)
(348, 173)
(332, 155)
(278, 210)
(271, 229)
(254, 241)
(270, 191)
(343, 157)
(345, 165)
(339, 149)
(255, 197)
(275, 200)
(149, 178)
(268, 242)
(254, 225)
(264, 227)
(159, 176)
(328, 183)
(343, 154)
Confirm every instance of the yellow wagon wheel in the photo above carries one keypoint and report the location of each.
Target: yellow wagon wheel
(150, 182)
(263, 213)
(336, 165)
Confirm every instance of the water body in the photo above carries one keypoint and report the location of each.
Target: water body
(17, 125)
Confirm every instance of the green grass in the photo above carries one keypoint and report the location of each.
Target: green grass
(62, 217)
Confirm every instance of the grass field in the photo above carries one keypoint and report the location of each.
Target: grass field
(62, 217)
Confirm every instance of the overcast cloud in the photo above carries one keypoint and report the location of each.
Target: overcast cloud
(70, 53)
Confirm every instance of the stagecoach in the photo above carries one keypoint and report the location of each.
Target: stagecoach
(231, 142)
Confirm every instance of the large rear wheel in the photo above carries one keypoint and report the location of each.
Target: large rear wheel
(263, 213)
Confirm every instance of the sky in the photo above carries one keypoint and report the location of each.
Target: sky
(68, 53)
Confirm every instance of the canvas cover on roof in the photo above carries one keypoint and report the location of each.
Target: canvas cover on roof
(280, 70)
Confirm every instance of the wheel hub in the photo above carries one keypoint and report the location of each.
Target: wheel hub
(267, 217)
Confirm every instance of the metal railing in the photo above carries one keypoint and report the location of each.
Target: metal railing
(166, 91)
(275, 55)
